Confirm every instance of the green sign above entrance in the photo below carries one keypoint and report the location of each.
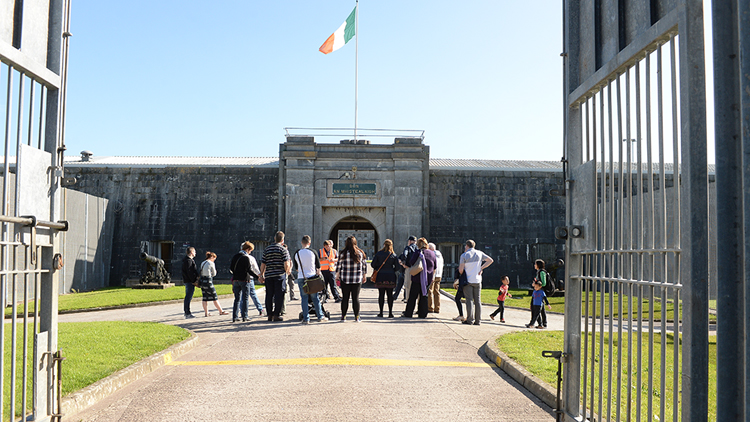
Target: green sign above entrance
(349, 189)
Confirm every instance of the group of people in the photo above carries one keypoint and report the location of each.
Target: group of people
(417, 270)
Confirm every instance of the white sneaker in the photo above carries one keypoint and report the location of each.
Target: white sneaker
(459, 318)
(323, 319)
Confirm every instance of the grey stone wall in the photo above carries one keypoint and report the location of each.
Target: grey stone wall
(87, 245)
(210, 208)
(510, 215)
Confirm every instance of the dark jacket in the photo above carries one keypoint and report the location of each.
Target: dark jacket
(241, 269)
(189, 270)
(390, 265)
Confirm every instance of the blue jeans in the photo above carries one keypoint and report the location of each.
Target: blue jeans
(304, 299)
(189, 290)
(241, 290)
(253, 296)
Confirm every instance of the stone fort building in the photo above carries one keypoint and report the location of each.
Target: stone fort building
(162, 205)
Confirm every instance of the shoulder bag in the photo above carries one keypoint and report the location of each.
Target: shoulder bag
(417, 267)
(374, 276)
(312, 284)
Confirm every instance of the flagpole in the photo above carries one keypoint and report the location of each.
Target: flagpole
(356, 64)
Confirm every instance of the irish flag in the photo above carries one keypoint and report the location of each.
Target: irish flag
(342, 35)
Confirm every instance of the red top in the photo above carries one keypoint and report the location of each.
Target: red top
(502, 293)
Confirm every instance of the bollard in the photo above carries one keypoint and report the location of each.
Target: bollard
(559, 356)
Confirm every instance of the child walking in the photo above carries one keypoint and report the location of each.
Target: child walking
(501, 295)
(538, 298)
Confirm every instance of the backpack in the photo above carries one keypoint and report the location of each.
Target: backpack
(548, 288)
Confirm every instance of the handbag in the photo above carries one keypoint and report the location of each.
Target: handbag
(374, 276)
(417, 267)
(312, 284)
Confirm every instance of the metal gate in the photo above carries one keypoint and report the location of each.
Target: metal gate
(33, 56)
(636, 309)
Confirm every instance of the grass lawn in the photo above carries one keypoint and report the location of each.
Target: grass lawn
(118, 345)
(526, 348)
(521, 299)
(115, 296)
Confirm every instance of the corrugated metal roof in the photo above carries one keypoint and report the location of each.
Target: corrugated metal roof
(509, 165)
(130, 161)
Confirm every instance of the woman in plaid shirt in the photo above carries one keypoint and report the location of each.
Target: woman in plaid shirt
(352, 272)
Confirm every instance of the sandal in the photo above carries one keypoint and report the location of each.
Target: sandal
(224, 313)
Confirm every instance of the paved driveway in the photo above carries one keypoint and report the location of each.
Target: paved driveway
(376, 370)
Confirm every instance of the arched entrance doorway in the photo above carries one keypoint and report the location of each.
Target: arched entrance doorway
(361, 229)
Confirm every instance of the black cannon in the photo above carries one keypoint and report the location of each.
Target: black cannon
(157, 273)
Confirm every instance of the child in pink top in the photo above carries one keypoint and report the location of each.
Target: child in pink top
(501, 295)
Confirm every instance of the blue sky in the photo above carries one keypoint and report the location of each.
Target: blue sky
(483, 78)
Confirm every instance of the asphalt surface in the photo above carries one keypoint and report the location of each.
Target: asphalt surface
(379, 369)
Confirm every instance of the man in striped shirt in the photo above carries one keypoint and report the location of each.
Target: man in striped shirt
(274, 267)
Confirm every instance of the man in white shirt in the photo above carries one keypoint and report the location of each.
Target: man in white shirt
(473, 262)
(308, 265)
(433, 292)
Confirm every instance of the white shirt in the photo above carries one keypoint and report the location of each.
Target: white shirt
(208, 269)
(472, 260)
(439, 262)
(305, 259)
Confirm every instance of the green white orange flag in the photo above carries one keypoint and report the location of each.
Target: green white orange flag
(342, 35)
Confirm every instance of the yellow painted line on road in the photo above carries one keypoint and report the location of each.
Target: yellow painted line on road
(335, 361)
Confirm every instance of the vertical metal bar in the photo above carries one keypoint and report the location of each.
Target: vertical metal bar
(743, 34)
(675, 229)
(42, 101)
(588, 139)
(663, 215)
(602, 259)
(5, 211)
(675, 142)
(31, 113)
(731, 267)
(639, 373)
(586, 290)
(639, 242)
(621, 258)
(27, 261)
(14, 334)
(19, 125)
(650, 412)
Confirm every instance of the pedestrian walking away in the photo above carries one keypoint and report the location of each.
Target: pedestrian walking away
(308, 265)
(191, 279)
(352, 272)
(433, 293)
(420, 281)
(244, 271)
(473, 262)
(275, 265)
(208, 271)
(501, 295)
(386, 265)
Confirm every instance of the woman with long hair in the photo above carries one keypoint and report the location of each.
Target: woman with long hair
(385, 263)
(352, 272)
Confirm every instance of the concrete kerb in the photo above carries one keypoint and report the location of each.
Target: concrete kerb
(136, 305)
(536, 386)
(80, 400)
